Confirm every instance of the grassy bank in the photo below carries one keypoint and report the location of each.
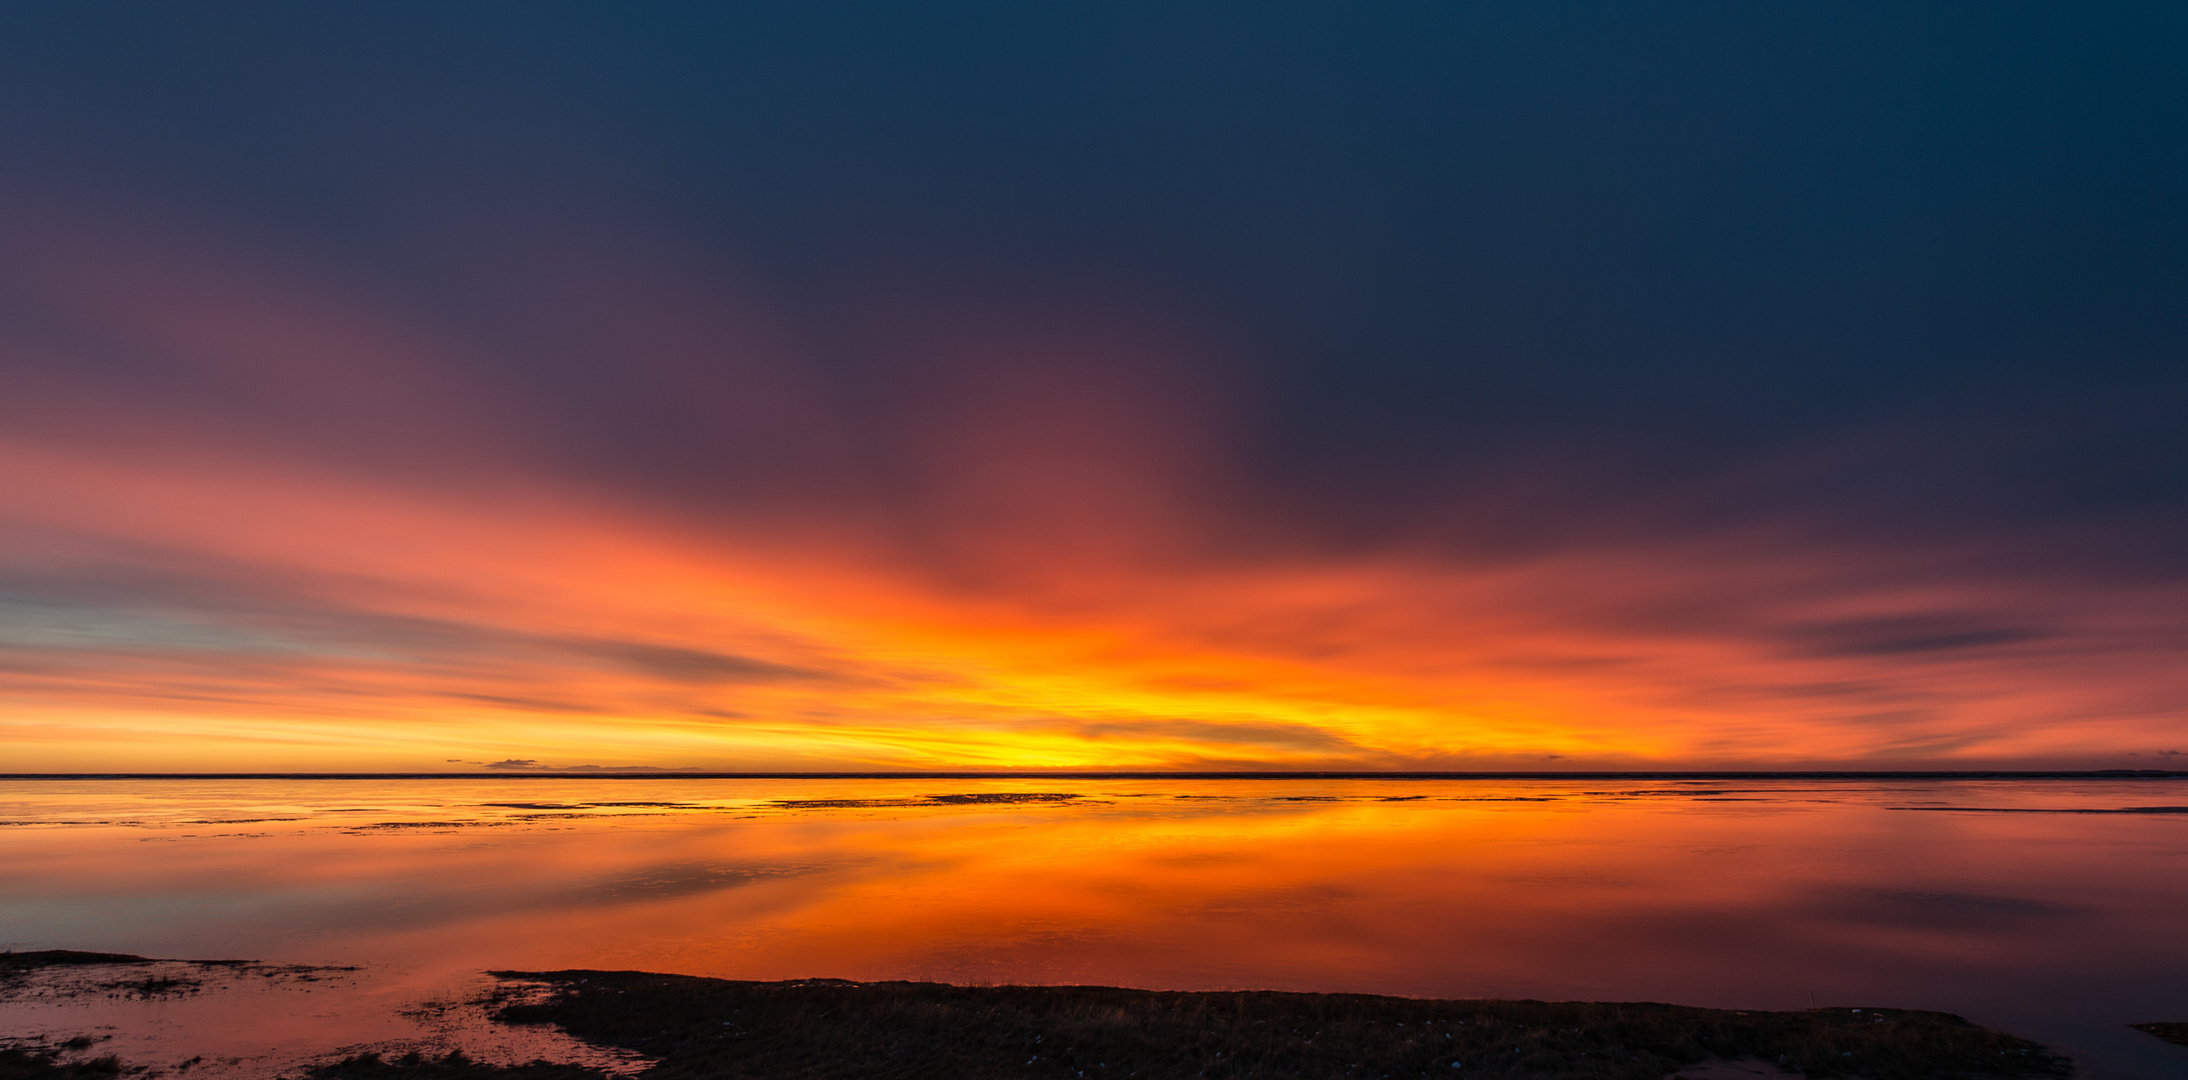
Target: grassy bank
(715, 1029)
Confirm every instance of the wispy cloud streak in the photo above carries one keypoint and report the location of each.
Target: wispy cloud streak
(256, 517)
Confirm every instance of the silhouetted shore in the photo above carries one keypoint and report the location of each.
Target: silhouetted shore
(717, 1029)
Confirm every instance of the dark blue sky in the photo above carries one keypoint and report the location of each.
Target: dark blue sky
(1442, 236)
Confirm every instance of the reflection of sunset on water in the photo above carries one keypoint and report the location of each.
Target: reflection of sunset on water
(1415, 886)
(1747, 894)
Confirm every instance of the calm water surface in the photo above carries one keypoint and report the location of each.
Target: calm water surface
(2006, 901)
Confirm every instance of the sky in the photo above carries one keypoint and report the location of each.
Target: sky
(845, 386)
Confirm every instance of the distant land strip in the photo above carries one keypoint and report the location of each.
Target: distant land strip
(1987, 774)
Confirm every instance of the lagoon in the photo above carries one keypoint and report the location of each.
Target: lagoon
(2050, 908)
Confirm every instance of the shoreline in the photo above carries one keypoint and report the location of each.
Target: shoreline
(681, 1027)
(1117, 774)
(718, 1029)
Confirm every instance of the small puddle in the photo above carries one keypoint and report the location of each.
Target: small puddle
(260, 1021)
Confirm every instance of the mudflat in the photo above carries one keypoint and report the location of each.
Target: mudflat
(693, 1028)
(720, 1029)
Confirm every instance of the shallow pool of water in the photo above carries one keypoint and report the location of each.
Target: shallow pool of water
(2050, 908)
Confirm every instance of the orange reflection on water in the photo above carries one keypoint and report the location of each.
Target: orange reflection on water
(1745, 894)
(1427, 887)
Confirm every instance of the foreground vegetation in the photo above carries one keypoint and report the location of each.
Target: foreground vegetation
(715, 1029)
(39, 1063)
(455, 1066)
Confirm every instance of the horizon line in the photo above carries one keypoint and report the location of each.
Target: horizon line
(1127, 774)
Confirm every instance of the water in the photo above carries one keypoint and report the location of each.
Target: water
(2001, 900)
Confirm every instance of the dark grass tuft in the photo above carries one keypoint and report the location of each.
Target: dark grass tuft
(455, 1066)
(715, 1029)
(30, 1063)
(161, 986)
(2175, 1033)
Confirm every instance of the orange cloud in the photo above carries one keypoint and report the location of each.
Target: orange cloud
(1021, 546)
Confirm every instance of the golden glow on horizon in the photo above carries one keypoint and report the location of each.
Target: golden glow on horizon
(523, 627)
(1044, 588)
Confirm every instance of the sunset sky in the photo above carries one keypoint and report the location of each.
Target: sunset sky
(816, 386)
